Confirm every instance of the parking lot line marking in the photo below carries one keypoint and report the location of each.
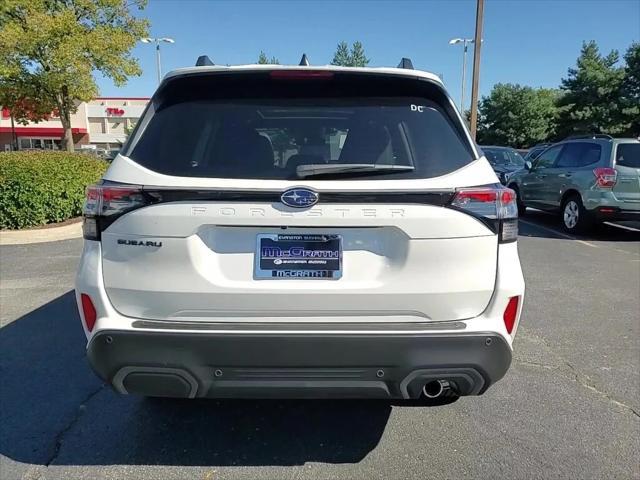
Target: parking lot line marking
(584, 242)
(556, 232)
(624, 251)
(622, 226)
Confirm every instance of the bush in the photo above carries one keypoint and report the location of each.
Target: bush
(42, 187)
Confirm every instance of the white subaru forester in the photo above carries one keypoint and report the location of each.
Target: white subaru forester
(279, 231)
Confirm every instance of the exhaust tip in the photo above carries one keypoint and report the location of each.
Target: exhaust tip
(436, 388)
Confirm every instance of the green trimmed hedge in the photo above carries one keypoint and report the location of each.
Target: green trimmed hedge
(40, 187)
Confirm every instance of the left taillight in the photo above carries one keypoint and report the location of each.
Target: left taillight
(606, 177)
(495, 205)
(105, 203)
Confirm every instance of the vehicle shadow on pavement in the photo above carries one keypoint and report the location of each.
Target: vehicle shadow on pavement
(55, 411)
(545, 225)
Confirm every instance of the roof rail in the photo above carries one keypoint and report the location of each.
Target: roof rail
(304, 61)
(204, 61)
(406, 63)
(590, 135)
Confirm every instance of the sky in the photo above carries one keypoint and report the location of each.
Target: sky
(530, 42)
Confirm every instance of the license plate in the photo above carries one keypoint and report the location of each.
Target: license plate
(304, 256)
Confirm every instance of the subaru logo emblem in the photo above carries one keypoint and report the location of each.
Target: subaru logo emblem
(299, 197)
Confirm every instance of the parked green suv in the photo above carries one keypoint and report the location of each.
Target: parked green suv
(586, 179)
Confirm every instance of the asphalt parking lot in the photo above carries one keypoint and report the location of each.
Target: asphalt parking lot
(568, 408)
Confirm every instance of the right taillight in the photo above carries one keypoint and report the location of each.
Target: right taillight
(606, 177)
(105, 203)
(493, 204)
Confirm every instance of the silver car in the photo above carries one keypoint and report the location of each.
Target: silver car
(585, 179)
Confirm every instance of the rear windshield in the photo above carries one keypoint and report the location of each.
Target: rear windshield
(628, 155)
(535, 153)
(270, 138)
(503, 157)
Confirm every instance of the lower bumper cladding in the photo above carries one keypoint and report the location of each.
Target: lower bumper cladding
(278, 365)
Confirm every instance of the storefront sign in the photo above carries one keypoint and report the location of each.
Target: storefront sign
(115, 111)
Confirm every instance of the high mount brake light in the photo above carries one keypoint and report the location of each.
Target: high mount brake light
(495, 204)
(301, 75)
(606, 177)
(105, 203)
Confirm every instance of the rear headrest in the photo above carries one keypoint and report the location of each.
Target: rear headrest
(242, 144)
(366, 142)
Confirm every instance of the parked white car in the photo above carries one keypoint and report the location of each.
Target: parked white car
(296, 231)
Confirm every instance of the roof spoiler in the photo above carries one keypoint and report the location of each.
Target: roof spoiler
(204, 61)
(406, 63)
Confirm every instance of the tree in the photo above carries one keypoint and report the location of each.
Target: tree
(342, 57)
(517, 116)
(23, 104)
(358, 58)
(590, 103)
(264, 60)
(350, 58)
(630, 91)
(51, 48)
(128, 130)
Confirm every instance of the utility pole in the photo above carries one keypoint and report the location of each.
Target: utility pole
(476, 69)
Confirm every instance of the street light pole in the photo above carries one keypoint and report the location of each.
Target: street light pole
(473, 123)
(157, 41)
(464, 71)
(465, 42)
(158, 67)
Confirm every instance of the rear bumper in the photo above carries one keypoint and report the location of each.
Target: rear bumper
(299, 357)
(284, 365)
(603, 205)
(606, 214)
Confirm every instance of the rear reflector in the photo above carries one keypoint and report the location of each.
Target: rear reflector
(510, 314)
(88, 311)
(301, 75)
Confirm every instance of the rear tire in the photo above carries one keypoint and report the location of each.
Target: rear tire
(573, 215)
(522, 208)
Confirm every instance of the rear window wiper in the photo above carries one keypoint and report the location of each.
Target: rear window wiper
(314, 170)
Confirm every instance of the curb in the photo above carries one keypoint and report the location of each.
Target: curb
(41, 235)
